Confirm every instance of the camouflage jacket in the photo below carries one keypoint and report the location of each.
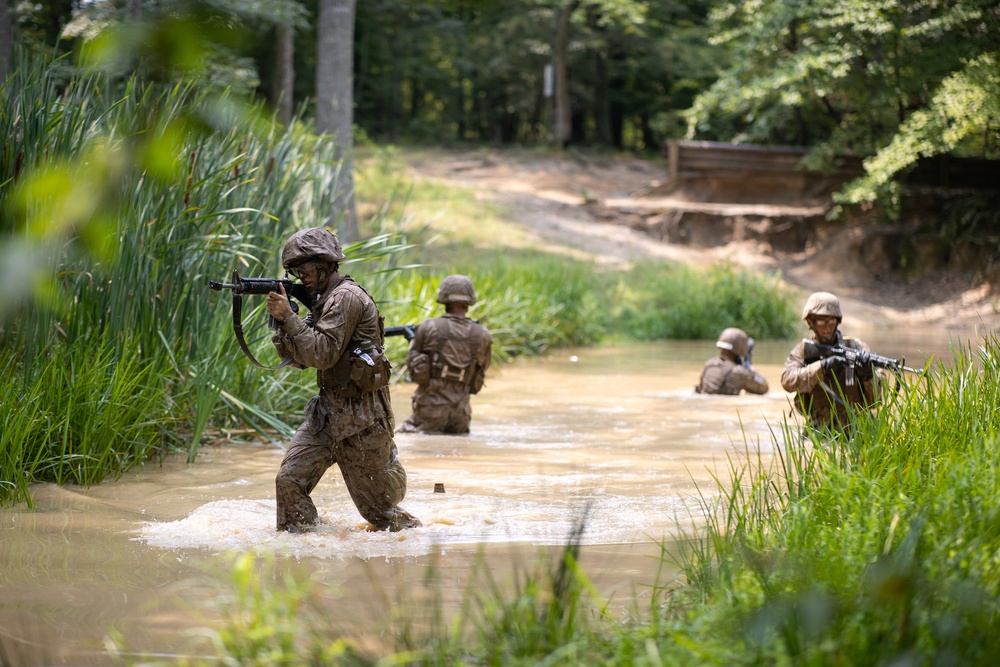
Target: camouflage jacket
(452, 352)
(821, 398)
(722, 375)
(344, 317)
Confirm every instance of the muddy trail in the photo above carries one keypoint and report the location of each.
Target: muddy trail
(617, 210)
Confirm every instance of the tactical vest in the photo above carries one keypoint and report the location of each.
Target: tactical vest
(363, 367)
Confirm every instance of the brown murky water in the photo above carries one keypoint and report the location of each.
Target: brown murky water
(614, 430)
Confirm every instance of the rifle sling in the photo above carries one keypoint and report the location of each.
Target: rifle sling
(238, 330)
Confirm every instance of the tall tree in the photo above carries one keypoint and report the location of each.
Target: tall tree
(335, 103)
(6, 40)
(284, 71)
(563, 110)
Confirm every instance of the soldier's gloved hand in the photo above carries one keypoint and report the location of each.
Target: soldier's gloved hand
(863, 366)
(831, 365)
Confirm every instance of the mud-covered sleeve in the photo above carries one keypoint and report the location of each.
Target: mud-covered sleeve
(751, 381)
(486, 353)
(797, 375)
(283, 351)
(322, 345)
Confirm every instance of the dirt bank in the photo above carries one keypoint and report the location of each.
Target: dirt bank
(612, 208)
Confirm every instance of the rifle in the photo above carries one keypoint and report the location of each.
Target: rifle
(240, 286)
(746, 359)
(814, 351)
(407, 331)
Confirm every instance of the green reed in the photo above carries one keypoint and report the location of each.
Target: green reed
(654, 301)
(530, 303)
(84, 416)
(126, 201)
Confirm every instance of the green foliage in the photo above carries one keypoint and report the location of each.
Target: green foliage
(655, 302)
(80, 415)
(905, 79)
(529, 304)
(124, 198)
(537, 302)
(961, 117)
(475, 71)
(871, 548)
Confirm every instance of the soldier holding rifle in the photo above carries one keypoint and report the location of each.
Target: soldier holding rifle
(350, 423)
(831, 375)
(732, 371)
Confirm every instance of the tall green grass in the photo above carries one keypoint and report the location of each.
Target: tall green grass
(127, 198)
(530, 302)
(654, 301)
(880, 548)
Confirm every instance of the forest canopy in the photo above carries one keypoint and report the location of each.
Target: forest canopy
(888, 80)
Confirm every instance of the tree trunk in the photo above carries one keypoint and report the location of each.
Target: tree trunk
(284, 72)
(135, 10)
(563, 119)
(602, 102)
(6, 40)
(335, 103)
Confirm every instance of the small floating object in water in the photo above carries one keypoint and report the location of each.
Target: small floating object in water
(439, 487)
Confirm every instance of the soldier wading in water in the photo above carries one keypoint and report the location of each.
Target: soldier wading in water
(822, 392)
(448, 359)
(731, 371)
(350, 423)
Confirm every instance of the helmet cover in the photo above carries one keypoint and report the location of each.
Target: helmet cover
(823, 304)
(456, 289)
(735, 340)
(311, 244)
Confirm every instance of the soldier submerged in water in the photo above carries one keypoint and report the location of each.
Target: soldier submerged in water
(448, 359)
(350, 423)
(731, 372)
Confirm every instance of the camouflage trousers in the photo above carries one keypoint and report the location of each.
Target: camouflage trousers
(369, 464)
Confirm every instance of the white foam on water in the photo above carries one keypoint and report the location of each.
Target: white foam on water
(448, 520)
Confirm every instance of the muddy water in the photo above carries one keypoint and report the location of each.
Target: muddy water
(615, 433)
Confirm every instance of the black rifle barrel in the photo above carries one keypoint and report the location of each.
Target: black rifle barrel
(814, 351)
(407, 331)
(263, 286)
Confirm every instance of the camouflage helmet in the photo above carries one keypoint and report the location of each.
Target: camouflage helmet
(823, 304)
(456, 289)
(734, 340)
(311, 244)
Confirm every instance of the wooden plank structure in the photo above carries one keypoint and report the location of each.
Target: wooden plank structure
(712, 171)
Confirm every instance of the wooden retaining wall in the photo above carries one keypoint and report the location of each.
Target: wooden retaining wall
(712, 171)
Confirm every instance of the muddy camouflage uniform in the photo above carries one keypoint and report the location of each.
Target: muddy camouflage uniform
(448, 359)
(350, 423)
(820, 395)
(726, 373)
